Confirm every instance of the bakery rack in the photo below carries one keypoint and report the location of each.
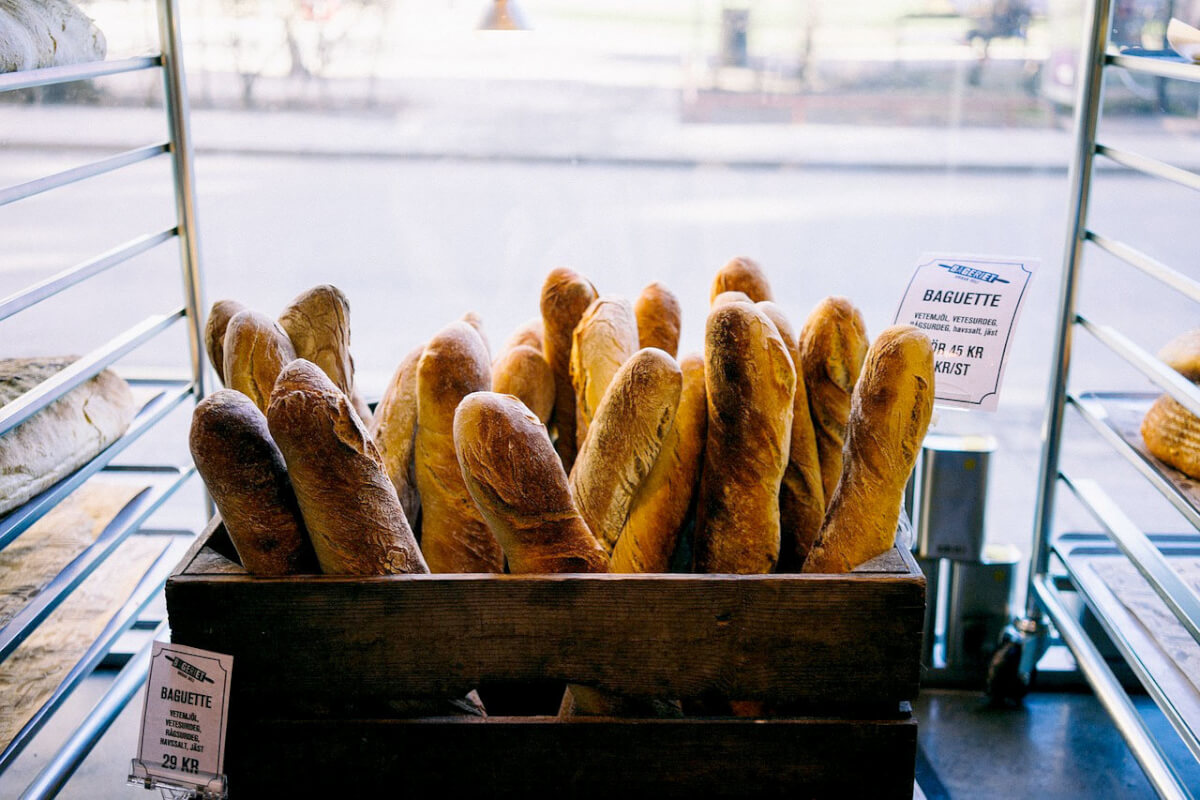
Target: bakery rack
(1063, 567)
(167, 394)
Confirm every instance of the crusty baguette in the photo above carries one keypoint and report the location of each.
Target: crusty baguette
(532, 332)
(801, 495)
(741, 275)
(473, 319)
(893, 402)
(1172, 435)
(624, 440)
(256, 351)
(214, 333)
(350, 508)
(661, 503)
(318, 323)
(833, 344)
(750, 383)
(522, 371)
(565, 296)
(394, 430)
(729, 297)
(658, 319)
(454, 535)
(247, 478)
(604, 339)
(1182, 354)
(514, 475)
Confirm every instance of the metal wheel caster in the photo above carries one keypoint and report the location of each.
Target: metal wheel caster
(1013, 667)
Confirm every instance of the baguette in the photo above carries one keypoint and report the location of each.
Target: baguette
(214, 333)
(532, 332)
(624, 440)
(565, 296)
(833, 344)
(658, 319)
(750, 383)
(802, 494)
(394, 430)
(318, 323)
(661, 503)
(522, 371)
(741, 275)
(246, 475)
(1172, 435)
(454, 535)
(606, 336)
(256, 349)
(893, 402)
(515, 478)
(350, 508)
(725, 298)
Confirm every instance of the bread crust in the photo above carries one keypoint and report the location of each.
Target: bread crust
(350, 508)
(531, 332)
(454, 535)
(518, 483)
(750, 383)
(741, 274)
(1172, 435)
(394, 430)
(247, 478)
(256, 351)
(522, 371)
(893, 402)
(1182, 354)
(214, 333)
(604, 339)
(318, 323)
(624, 440)
(729, 297)
(659, 319)
(833, 344)
(565, 296)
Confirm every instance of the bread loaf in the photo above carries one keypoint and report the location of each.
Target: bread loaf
(741, 275)
(473, 319)
(532, 332)
(522, 371)
(454, 535)
(246, 475)
(750, 382)
(1172, 435)
(658, 319)
(256, 351)
(662, 501)
(833, 344)
(801, 495)
(606, 336)
(1182, 354)
(318, 323)
(395, 433)
(35, 34)
(624, 440)
(214, 333)
(729, 297)
(565, 296)
(514, 475)
(350, 508)
(893, 402)
(64, 435)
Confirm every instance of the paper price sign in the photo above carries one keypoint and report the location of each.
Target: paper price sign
(968, 306)
(183, 726)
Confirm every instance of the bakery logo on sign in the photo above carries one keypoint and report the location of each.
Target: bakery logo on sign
(973, 273)
(189, 671)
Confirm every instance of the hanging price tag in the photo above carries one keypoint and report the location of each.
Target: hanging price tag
(182, 745)
(968, 305)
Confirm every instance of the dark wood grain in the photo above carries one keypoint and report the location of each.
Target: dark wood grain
(540, 756)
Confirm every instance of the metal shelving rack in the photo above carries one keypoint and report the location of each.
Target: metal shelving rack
(163, 479)
(1151, 555)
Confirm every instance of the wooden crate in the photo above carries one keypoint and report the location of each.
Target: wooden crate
(323, 665)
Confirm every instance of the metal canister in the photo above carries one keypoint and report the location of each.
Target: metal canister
(952, 495)
(979, 605)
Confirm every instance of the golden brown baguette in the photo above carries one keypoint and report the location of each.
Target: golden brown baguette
(522, 371)
(741, 275)
(514, 475)
(658, 319)
(318, 323)
(350, 508)
(661, 504)
(473, 319)
(1182, 354)
(214, 333)
(750, 383)
(624, 440)
(893, 402)
(394, 430)
(1172, 435)
(801, 495)
(454, 535)
(565, 296)
(604, 339)
(532, 332)
(247, 478)
(256, 351)
(833, 344)
(728, 297)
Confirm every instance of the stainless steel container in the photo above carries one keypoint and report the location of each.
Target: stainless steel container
(952, 495)
(979, 605)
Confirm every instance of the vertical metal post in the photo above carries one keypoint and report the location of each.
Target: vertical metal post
(1087, 116)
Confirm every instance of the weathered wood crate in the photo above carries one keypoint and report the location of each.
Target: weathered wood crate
(326, 670)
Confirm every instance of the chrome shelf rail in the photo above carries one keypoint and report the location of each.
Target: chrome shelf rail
(1150, 166)
(71, 73)
(1152, 267)
(1175, 68)
(1186, 393)
(82, 172)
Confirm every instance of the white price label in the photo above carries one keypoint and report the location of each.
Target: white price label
(183, 724)
(968, 305)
